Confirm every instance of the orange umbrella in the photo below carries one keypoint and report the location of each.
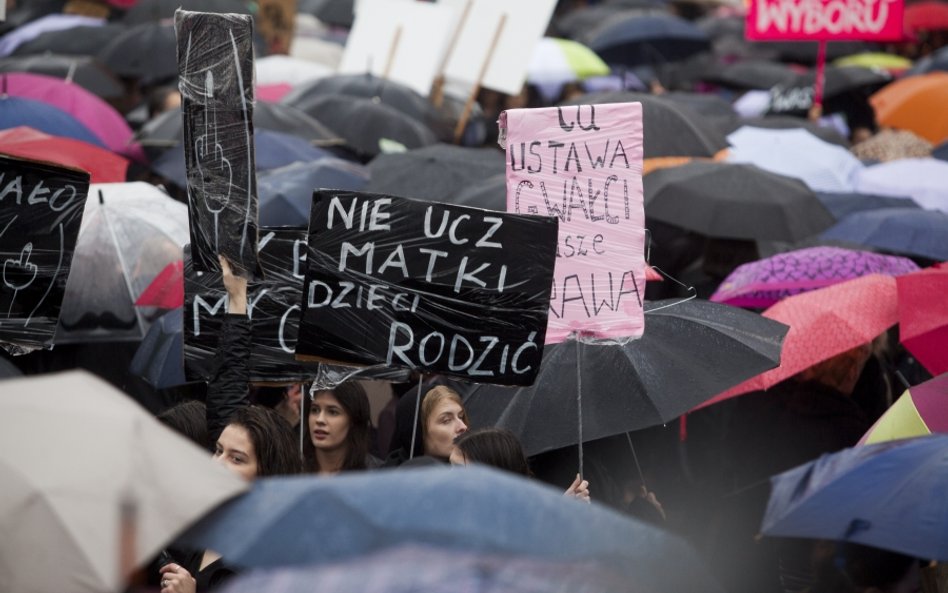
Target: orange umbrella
(916, 103)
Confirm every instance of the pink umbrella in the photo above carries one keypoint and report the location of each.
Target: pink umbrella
(923, 316)
(98, 116)
(762, 283)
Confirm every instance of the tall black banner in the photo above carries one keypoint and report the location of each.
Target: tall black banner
(40, 213)
(435, 287)
(215, 63)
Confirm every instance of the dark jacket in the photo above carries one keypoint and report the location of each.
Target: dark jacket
(227, 389)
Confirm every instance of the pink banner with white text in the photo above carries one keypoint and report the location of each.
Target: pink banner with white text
(827, 20)
(583, 165)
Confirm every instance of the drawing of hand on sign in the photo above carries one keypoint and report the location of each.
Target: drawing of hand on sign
(19, 273)
(212, 164)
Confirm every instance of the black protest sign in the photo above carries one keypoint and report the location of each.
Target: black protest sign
(40, 212)
(273, 306)
(428, 286)
(215, 63)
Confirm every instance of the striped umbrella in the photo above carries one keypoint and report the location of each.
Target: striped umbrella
(921, 410)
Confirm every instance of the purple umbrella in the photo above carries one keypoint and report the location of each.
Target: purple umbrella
(99, 117)
(764, 282)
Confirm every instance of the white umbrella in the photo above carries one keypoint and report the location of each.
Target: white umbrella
(923, 180)
(76, 455)
(796, 153)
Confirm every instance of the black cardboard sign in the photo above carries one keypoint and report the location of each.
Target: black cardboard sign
(215, 63)
(41, 209)
(435, 287)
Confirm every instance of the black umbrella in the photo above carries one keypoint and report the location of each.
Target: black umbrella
(146, 51)
(368, 86)
(367, 125)
(843, 86)
(752, 74)
(805, 52)
(690, 351)
(648, 40)
(434, 173)
(159, 359)
(82, 70)
(580, 23)
(842, 205)
(146, 11)
(670, 128)
(340, 13)
(77, 41)
(734, 201)
(701, 103)
(784, 122)
(490, 194)
(286, 194)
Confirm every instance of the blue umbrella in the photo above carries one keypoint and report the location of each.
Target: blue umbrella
(271, 150)
(842, 205)
(313, 520)
(159, 358)
(17, 111)
(286, 194)
(907, 231)
(940, 152)
(891, 495)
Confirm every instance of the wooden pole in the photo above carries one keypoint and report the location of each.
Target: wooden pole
(391, 53)
(469, 104)
(437, 88)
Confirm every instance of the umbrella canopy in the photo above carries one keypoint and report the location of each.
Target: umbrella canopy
(652, 39)
(145, 11)
(923, 180)
(824, 323)
(933, 62)
(130, 232)
(796, 153)
(104, 166)
(785, 122)
(765, 282)
(17, 111)
(890, 62)
(340, 13)
(166, 291)
(315, 521)
(96, 115)
(688, 352)
(701, 103)
(842, 205)
(77, 41)
(490, 194)
(272, 150)
(734, 201)
(752, 74)
(841, 85)
(147, 52)
(433, 173)
(410, 569)
(560, 61)
(73, 451)
(906, 231)
(277, 69)
(82, 70)
(923, 316)
(921, 410)
(915, 103)
(672, 130)
(286, 194)
(159, 359)
(868, 495)
(892, 145)
(928, 15)
(50, 22)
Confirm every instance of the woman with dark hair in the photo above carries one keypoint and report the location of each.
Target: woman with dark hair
(258, 442)
(339, 422)
(189, 419)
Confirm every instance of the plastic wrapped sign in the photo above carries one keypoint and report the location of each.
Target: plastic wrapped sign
(583, 165)
(215, 63)
(428, 286)
(40, 214)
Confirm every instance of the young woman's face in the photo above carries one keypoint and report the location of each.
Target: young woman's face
(235, 450)
(447, 422)
(328, 422)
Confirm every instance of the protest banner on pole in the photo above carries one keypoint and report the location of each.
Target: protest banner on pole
(215, 64)
(276, 21)
(434, 287)
(824, 20)
(400, 40)
(583, 165)
(41, 209)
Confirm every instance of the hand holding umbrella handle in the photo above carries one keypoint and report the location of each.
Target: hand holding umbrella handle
(579, 489)
(176, 579)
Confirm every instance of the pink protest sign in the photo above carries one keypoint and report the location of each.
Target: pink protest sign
(583, 165)
(824, 20)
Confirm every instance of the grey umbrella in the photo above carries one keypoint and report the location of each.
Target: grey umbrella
(438, 172)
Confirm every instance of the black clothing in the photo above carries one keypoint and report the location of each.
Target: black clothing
(228, 388)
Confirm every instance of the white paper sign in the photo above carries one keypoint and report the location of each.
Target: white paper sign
(405, 37)
(525, 23)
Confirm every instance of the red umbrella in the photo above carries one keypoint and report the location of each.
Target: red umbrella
(825, 323)
(923, 316)
(929, 16)
(166, 291)
(104, 166)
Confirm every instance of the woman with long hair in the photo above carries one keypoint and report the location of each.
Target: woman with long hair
(339, 423)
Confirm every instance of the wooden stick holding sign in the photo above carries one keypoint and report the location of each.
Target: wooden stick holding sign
(215, 63)
(391, 53)
(437, 89)
(469, 104)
